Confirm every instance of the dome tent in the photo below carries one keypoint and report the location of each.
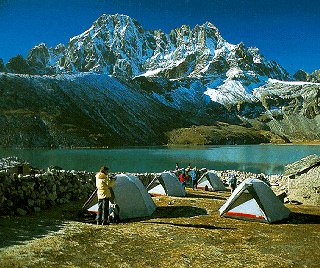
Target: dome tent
(131, 197)
(211, 181)
(254, 200)
(166, 184)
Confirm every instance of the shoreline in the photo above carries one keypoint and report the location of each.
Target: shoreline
(317, 142)
(297, 142)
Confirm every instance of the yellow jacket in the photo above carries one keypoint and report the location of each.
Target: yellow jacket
(103, 183)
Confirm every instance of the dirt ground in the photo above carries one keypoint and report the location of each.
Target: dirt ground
(183, 232)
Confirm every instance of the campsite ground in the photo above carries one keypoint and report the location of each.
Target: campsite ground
(183, 232)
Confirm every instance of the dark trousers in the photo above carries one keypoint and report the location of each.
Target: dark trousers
(233, 187)
(103, 210)
(194, 184)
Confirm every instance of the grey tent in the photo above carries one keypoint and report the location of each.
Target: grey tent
(166, 184)
(131, 197)
(211, 181)
(254, 200)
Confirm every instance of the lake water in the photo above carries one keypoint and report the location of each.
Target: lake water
(268, 159)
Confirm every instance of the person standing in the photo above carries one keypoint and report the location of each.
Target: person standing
(177, 167)
(183, 178)
(188, 169)
(233, 182)
(194, 177)
(189, 166)
(104, 183)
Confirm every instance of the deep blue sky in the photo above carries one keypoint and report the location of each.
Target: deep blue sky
(287, 31)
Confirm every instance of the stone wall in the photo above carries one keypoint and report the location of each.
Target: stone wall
(24, 194)
(146, 178)
(31, 193)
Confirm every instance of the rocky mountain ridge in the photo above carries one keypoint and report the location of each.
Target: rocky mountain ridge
(118, 84)
(301, 75)
(118, 45)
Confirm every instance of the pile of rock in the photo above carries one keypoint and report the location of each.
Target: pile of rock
(224, 175)
(301, 181)
(21, 194)
(146, 178)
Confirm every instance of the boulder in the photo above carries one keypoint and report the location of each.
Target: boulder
(302, 165)
(303, 181)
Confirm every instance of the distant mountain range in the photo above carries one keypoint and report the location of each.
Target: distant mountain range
(118, 84)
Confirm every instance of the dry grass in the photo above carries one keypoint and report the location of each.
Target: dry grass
(183, 232)
(221, 133)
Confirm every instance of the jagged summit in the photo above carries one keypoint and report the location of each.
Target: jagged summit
(118, 45)
(115, 24)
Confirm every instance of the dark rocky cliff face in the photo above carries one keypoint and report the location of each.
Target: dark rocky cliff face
(292, 110)
(98, 110)
(92, 110)
(89, 110)
(301, 75)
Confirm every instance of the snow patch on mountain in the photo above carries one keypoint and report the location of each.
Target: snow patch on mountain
(231, 91)
(293, 83)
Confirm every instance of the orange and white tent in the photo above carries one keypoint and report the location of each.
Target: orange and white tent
(254, 200)
(131, 197)
(166, 184)
(211, 181)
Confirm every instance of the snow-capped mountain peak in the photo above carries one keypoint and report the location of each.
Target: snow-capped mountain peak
(118, 45)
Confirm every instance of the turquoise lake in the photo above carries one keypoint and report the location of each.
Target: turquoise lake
(268, 159)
